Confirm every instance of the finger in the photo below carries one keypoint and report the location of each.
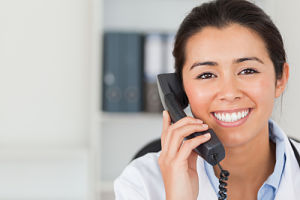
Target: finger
(182, 122)
(188, 146)
(166, 124)
(186, 120)
(178, 135)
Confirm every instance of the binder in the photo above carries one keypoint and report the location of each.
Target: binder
(153, 65)
(122, 72)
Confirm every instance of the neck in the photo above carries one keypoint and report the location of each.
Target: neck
(252, 162)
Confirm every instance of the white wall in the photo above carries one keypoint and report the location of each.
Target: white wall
(47, 49)
(44, 68)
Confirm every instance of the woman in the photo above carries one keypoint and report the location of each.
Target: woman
(231, 61)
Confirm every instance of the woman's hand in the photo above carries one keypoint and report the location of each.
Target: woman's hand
(177, 159)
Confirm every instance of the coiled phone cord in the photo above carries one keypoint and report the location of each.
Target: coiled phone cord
(222, 182)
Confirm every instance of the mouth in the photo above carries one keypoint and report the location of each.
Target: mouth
(232, 118)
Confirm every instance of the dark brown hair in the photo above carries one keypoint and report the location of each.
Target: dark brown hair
(221, 13)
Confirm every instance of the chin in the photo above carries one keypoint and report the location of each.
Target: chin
(230, 140)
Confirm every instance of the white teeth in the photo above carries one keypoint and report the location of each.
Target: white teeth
(234, 116)
(223, 117)
(239, 116)
(228, 118)
(231, 117)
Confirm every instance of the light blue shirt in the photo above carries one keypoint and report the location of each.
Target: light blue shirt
(269, 189)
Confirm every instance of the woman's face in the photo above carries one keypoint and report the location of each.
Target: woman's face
(229, 80)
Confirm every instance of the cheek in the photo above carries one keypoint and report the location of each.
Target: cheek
(262, 94)
(200, 97)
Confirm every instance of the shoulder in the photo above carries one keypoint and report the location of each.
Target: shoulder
(290, 178)
(141, 179)
(276, 131)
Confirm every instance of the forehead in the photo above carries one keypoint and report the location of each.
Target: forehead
(227, 43)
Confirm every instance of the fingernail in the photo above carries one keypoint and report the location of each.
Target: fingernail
(204, 125)
(207, 135)
(199, 121)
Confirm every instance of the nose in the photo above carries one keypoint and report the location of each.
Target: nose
(230, 90)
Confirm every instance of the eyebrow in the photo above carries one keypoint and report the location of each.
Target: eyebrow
(239, 60)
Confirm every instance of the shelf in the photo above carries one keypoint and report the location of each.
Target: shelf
(107, 116)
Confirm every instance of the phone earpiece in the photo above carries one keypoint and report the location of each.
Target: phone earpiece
(170, 83)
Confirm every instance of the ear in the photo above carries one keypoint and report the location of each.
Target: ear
(281, 83)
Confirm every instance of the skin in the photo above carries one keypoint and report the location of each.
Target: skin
(217, 78)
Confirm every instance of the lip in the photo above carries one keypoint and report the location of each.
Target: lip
(232, 124)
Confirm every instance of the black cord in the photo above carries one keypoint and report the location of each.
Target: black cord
(222, 182)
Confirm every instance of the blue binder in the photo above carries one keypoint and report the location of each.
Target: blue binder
(122, 72)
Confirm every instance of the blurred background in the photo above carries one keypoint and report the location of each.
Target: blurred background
(77, 89)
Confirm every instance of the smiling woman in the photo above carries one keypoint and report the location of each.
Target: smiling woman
(230, 60)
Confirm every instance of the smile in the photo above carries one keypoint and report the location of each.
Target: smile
(229, 119)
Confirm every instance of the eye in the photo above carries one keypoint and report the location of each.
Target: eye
(206, 75)
(248, 71)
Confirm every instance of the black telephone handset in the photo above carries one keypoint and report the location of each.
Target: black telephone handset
(174, 100)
